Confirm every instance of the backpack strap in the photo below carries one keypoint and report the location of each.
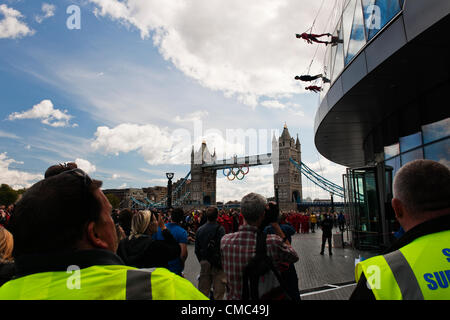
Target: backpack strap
(261, 252)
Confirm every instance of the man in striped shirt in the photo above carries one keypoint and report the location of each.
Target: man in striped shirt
(238, 248)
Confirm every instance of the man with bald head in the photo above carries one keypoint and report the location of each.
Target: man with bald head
(417, 266)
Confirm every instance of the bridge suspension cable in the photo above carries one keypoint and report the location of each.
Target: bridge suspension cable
(318, 180)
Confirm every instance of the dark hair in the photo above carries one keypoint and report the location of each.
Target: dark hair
(212, 213)
(177, 215)
(58, 168)
(52, 214)
(125, 217)
(271, 215)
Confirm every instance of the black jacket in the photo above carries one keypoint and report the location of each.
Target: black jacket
(327, 226)
(144, 252)
(7, 271)
(205, 233)
(361, 291)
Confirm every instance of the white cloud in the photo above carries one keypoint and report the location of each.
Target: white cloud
(44, 111)
(11, 26)
(245, 49)
(4, 134)
(273, 104)
(115, 176)
(159, 145)
(48, 11)
(85, 165)
(15, 178)
(258, 179)
(191, 117)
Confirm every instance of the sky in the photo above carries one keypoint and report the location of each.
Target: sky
(126, 88)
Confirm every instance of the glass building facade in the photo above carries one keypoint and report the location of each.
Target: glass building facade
(359, 22)
(432, 142)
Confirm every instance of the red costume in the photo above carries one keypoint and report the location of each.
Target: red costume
(310, 37)
(314, 88)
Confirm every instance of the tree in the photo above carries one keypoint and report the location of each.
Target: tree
(7, 195)
(113, 200)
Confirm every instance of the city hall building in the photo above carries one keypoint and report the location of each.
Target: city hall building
(386, 105)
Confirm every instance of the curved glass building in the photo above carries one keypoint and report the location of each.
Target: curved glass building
(387, 103)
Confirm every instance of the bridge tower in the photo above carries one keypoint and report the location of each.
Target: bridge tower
(203, 180)
(286, 177)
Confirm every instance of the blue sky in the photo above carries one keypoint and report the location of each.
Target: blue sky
(126, 94)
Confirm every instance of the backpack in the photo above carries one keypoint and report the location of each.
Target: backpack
(261, 280)
(213, 251)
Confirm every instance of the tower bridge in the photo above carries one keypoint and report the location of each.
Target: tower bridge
(200, 189)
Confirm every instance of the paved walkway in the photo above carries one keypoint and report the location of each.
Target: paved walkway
(320, 277)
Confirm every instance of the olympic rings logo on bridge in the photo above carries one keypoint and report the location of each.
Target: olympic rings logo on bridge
(239, 174)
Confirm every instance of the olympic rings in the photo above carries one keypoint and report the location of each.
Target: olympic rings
(238, 174)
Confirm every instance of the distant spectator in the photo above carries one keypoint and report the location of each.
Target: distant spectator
(180, 235)
(140, 250)
(7, 269)
(207, 250)
(327, 227)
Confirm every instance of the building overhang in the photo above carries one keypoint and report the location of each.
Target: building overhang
(409, 58)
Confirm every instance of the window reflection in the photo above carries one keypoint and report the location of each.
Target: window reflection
(410, 142)
(357, 37)
(347, 19)
(437, 130)
(439, 151)
(339, 61)
(395, 164)
(411, 156)
(391, 151)
(378, 13)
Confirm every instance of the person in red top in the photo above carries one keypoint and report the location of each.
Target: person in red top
(314, 88)
(310, 37)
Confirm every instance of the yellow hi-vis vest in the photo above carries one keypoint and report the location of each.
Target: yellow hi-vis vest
(420, 270)
(111, 282)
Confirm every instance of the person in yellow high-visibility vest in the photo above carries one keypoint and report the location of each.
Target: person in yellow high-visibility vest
(417, 266)
(64, 247)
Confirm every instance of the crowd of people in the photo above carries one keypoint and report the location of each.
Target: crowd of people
(65, 220)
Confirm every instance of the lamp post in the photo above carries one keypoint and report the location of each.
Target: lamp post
(332, 203)
(276, 197)
(169, 176)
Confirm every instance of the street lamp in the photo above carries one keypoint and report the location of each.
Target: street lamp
(332, 203)
(169, 176)
(276, 197)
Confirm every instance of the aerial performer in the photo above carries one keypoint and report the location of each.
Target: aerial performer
(311, 37)
(312, 78)
(314, 88)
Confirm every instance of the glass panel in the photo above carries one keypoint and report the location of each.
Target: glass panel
(366, 208)
(333, 54)
(357, 37)
(339, 62)
(435, 131)
(391, 151)
(394, 163)
(347, 23)
(410, 142)
(378, 13)
(412, 155)
(439, 151)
